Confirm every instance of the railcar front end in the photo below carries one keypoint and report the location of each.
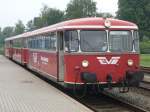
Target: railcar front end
(106, 57)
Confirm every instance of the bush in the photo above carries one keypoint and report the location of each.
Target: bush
(145, 47)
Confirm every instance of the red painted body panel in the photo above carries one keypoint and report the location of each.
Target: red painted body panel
(25, 56)
(97, 22)
(102, 70)
(8, 52)
(17, 54)
(44, 61)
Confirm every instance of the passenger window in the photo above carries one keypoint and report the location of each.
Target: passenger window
(47, 42)
(43, 43)
(71, 41)
(53, 43)
(34, 43)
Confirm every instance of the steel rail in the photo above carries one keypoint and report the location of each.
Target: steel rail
(126, 104)
(145, 85)
(145, 69)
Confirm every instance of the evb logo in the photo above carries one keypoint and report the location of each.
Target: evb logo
(112, 61)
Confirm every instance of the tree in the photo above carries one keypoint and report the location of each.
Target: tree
(0, 30)
(51, 16)
(104, 15)
(48, 16)
(80, 8)
(5, 33)
(137, 11)
(30, 25)
(38, 22)
(19, 28)
(1, 37)
(8, 31)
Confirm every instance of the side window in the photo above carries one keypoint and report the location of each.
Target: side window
(71, 41)
(29, 42)
(24, 43)
(17, 43)
(34, 43)
(47, 42)
(40, 42)
(43, 42)
(53, 42)
(32, 46)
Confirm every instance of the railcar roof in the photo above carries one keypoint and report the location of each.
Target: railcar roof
(82, 23)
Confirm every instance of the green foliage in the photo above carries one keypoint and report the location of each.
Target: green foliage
(48, 16)
(145, 47)
(30, 25)
(145, 60)
(51, 16)
(38, 22)
(104, 15)
(19, 28)
(1, 36)
(137, 11)
(8, 31)
(80, 8)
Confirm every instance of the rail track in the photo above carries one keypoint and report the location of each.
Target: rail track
(145, 85)
(104, 102)
(145, 69)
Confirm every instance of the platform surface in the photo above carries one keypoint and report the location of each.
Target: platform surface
(21, 91)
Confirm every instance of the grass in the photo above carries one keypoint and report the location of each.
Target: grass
(145, 60)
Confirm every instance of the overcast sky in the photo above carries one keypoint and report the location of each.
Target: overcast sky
(13, 10)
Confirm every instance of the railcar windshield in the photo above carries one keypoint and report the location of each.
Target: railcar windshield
(120, 41)
(93, 41)
(97, 41)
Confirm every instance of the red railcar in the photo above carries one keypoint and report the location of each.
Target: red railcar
(92, 51)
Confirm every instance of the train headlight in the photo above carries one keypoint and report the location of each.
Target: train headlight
(130, 62)
(85, 63)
